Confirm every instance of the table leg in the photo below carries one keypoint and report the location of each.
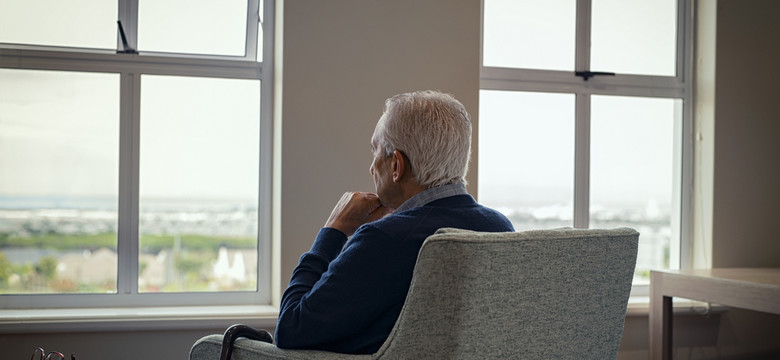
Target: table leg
(666, 332)
(660, 320)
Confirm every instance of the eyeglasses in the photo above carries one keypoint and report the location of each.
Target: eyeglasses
(42, 355)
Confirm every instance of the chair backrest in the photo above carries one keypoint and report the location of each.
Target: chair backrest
(545, 294)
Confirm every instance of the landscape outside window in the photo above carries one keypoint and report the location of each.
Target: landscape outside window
(527, 165)
(64, 143)
(58, 192)
(58, 189)
(628, 152)
(198, 183)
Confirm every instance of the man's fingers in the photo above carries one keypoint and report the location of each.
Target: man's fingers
(355, 209)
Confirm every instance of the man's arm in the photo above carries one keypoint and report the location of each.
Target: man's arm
(328, 286)
(312, 265)
(360, 285)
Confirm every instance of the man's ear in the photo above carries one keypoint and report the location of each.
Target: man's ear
(399, 166)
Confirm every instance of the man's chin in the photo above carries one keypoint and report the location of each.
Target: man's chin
(386, 205)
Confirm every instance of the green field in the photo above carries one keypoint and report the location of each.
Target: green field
(192, 257)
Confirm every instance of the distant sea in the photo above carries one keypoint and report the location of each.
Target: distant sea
(89, 215)
(15, 202)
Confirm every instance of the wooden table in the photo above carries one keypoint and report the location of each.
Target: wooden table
(747, 288)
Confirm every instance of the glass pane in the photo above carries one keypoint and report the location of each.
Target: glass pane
(73, 23)
(526, 157)
(633, 175)
(529, 34)
(192, 26)
(634, 37)
(59, 153)
(199, 173)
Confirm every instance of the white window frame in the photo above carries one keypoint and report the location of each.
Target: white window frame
(130, 67)
(678, 86)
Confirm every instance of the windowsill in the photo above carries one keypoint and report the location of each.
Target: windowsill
(212, 317)
(135, 319)
(640, 306)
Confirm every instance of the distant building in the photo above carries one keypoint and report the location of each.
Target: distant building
(89, 267)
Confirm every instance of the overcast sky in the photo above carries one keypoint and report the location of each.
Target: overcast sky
(527, 140)
(59, 131)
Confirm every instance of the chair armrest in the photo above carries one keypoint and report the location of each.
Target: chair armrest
(234, 332)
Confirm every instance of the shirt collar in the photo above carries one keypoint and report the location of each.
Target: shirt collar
(432, 194)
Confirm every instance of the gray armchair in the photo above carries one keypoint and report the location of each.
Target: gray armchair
(544, 294)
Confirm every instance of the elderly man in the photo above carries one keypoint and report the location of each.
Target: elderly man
(346, 298)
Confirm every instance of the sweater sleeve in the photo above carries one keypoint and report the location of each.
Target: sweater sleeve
(335, 294)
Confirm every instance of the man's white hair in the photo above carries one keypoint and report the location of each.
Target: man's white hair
(433, 130)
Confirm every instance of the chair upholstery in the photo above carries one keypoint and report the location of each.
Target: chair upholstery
(542, 294)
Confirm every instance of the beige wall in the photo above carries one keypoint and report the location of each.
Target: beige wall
(342, 59)
(746, 166)
(746, 183)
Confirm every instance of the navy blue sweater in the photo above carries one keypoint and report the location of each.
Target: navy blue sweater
(347, 298)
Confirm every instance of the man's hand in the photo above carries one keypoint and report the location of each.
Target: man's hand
(355, 209)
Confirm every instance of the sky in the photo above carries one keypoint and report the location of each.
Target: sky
(189, 26)
(526, 139)
(627, 36)
(198, 135)
(53, 139)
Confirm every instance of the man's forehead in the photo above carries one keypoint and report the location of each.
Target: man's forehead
(374, 141)
(377, 129)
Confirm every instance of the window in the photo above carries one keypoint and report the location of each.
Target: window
(134, 151)
(585, 119)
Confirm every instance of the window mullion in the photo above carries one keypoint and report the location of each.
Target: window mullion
(127, 236)
(582, 161)
(128, 15)
(252, 26)
(268, 285)
(582, 120)
(685, 21)
(582, 40)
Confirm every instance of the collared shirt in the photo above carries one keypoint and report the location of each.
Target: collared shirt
(432, 194)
